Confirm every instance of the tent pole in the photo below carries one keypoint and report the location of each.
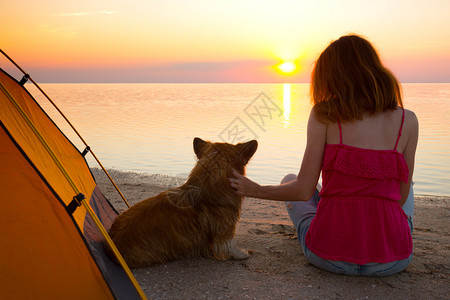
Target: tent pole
(70, 124)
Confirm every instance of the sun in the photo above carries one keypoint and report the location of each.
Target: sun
(287, 67)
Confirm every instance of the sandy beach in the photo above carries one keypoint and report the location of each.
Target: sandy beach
(277, 268)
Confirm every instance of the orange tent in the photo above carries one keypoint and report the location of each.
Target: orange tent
(50, 244)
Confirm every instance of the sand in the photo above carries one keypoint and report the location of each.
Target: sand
(277, 268)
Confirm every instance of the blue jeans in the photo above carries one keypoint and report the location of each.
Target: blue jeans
(302, 213)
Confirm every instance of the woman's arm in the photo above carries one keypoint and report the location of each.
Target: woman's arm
(303, 187)
(411, 130)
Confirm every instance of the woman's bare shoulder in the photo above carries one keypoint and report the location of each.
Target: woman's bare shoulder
(411, 119)
(411, 129)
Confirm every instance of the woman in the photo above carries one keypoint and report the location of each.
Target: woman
(364, 143)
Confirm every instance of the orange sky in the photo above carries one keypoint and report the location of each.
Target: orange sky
(217, 41)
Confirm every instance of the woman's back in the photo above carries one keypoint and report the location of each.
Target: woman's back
(377, 132)
(380, 132)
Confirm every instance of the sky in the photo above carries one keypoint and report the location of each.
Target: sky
(217, 41)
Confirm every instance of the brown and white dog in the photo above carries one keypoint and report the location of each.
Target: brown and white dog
(196, 219)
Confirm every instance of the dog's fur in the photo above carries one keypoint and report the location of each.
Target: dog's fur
(196, 219)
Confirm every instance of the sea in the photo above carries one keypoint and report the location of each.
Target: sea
(149, 128)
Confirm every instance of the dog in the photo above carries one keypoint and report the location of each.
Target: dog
(196, 219)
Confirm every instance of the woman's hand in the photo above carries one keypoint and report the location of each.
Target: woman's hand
(243, 185)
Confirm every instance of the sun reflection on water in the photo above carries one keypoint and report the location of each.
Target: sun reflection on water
(286, 104)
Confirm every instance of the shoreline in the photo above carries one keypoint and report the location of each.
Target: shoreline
(277, 268)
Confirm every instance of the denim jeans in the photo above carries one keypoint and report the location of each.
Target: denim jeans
(302, 213)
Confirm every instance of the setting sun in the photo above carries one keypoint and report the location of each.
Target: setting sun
(287, 67)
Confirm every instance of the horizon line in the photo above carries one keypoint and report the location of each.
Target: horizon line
(210, 82)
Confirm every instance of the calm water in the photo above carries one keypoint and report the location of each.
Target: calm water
(149, 128)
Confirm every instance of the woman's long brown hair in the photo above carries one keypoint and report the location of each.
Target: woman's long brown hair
(349, 79)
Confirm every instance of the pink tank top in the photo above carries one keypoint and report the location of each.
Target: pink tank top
(359, 219)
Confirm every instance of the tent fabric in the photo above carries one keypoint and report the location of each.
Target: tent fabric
(43, 255)
(45, 251)
(63, 149)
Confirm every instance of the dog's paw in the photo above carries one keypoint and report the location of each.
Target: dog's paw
(239, 254)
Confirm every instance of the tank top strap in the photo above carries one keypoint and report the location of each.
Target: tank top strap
(400, 131)
(340, 131)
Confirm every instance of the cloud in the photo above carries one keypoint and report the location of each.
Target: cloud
(204, 66)
(251, 71)
(76, 14)
(91, 13)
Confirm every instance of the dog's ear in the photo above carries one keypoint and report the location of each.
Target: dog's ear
(246, 150)
(199, 144)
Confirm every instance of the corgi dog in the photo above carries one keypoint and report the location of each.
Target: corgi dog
(196, 219)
